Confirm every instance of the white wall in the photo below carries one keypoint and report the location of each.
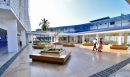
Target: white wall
(3, 24)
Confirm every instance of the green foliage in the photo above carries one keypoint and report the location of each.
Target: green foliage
(30, 42)
(122, 14)
(61, 48)
(44, 24)
(113, 44)
(128, 44)
(56, 50)
(73, 35)
(114, 34)
(45, 49)
(52, 48)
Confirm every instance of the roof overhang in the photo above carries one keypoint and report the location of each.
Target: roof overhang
(128, 1)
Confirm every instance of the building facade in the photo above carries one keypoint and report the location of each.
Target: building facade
(14, 22)
(99, 28)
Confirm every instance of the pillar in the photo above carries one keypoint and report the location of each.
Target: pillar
(54, 39)
(27, 39)
(120, 39)
(125, 39)
(57, 38)
(32, 38)
(89, 37)
(51, 39)
(103, 39)
(12, 35)
(83, 39)
(97, 37)
(23, 37)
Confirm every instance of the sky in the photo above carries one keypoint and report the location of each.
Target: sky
(74, 12)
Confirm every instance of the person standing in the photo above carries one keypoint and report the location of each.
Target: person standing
(100, 45)
(94, 44)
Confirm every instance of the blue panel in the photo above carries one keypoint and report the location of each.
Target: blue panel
(2, 39)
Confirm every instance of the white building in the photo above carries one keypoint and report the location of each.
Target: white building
(14, 22)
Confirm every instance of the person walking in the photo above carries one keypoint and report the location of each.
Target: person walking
(94, 44)
(100, 45)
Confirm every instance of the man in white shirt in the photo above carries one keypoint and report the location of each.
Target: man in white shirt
(94, 44)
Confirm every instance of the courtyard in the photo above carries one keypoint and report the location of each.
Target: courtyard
(82, 62)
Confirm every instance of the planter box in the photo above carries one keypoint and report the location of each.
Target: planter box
(58, 43)
(87, 44)
(68, 45)
(73, 43)
(119, 47)
(42, 46)
(49, 51)
(51, 57)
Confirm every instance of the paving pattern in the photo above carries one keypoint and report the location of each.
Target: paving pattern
(83, 62)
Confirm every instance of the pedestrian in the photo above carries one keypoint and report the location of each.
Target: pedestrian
(94, 44)
(100, 45)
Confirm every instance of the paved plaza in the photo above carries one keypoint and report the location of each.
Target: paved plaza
(83, 62)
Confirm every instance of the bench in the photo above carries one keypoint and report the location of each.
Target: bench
(58, 43)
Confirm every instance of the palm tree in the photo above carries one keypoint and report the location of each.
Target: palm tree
(44, 25)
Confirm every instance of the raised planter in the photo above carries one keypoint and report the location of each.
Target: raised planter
(73, 43)
(68, 45)
(52, 51)
(59, 43)
(51, 57)
(42, 46)
(119, 47)
(87, 44)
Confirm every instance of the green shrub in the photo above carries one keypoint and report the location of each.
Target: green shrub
(56, 50)
(45, 49)
(61, 48)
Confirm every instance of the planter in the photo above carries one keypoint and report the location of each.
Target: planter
(68, 45)
(87, 44)
(51, 57)
(73, 43)
(52, 51)
(58, 43)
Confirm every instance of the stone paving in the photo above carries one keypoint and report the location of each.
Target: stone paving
(83, 62)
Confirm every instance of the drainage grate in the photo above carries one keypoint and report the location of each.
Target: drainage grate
(109, 71)
(8, 63)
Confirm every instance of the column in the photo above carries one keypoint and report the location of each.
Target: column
(51, 39)
(12, 35)
(83, 39)
(103, 40)
(97, 37)
(27, 39)
(121, 21)
(89, 37)
(57, 38)
(32, 38)
(108, 24)
(125, 39)
(120, 39)
(23, 37)
(54, 39)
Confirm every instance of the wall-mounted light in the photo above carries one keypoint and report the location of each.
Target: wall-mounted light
(0, 37)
